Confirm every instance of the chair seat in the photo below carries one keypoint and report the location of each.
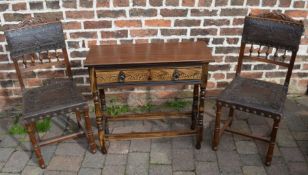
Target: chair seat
(255, 95)
(54, 97)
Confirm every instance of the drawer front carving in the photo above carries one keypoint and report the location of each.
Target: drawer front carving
(161, 74)
(122, 76)
(153, 74)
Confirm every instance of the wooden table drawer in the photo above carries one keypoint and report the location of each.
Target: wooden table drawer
(167, 74)
(134, 75)
(153, 74)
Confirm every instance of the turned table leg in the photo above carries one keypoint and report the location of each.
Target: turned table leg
(201, 105)
(195, 106)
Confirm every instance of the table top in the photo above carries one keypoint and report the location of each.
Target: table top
(149, 53)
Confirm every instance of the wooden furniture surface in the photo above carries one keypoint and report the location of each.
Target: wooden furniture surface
(110, 56)
(271, 38)
(148, 64)
(35, 42)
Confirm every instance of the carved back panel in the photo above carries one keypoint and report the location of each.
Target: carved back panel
(270, 37)
(36, 42)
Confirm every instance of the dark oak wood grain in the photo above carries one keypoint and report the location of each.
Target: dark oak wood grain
(151, 53)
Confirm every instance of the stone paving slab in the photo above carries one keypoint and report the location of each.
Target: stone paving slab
(166, 156)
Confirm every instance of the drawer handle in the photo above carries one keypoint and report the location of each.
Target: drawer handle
(122, 76)
(176, 75)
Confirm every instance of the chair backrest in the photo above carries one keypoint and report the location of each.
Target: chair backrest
(270, 36)
(35, 42)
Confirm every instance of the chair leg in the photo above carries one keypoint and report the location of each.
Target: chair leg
(89, 133)
(216, 137)
(78, 117)
(271, 147)
(37, 149)
(231, 114)
(195, 106)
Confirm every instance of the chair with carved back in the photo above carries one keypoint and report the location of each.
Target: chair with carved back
(34, 43)
(269, 37)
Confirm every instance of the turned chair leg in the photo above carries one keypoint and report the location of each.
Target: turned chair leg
(231, 114)
(89, 131)
(271, 146)
(37, 149)
(78, 117)
(216, 136)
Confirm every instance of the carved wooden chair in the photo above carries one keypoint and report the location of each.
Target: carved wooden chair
(278, 34)
(33, 42)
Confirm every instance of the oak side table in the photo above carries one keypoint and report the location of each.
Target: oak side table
(149, 64)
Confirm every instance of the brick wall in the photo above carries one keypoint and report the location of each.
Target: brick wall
(90, 22)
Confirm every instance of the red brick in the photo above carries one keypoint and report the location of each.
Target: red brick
(275, 74)
(173, 12)
(210, 31)
(216, 22)
(238, 21)
(297, 13)
(172, 2)
(231, 31)
(259, 11)
(86, 3)
(3, 7)
(120, 3)
(111, 13)
(226, 50)
(188, 3)
(36, 5)
(221, 3)
(71, 25)
(15, 16)
(128, 23)
(284, 3)
(252, 74)
(71, 4)
(79, 14)
(77, 54)
(253, 2)
(299, 4)
(50, 15)
(143, 33)
(156, 3)
(203, 12)
(143, 12)
(115, 34)
(19, 6)
(97, 24)
(205, 3)
(83, 35)
(237, 2)
(234, 12)
(218, 76)
(157, 23)
(186, 22)
(50, 74)
(218, 41)
(172, 32)
(270, 3)
(52, 4)
(232, 40)
(139, 2)
(102, 3)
